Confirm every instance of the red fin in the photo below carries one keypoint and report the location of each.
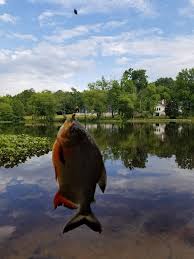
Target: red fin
(60, 200)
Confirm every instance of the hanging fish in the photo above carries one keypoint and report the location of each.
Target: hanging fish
(75, 11)
(79, 168)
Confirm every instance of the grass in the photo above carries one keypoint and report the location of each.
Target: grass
(93, 118)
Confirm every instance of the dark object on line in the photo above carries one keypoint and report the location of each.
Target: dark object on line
(75, 11)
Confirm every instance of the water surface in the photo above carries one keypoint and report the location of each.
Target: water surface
(146, 212)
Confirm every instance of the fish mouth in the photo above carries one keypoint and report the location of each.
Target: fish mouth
(76, 131)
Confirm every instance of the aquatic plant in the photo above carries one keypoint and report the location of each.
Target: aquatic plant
(15, 149)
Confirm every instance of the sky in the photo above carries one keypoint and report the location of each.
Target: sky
(44, 45)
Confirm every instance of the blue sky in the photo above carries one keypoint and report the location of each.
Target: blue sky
(45, 46)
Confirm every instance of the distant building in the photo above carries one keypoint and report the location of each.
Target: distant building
(160, 109)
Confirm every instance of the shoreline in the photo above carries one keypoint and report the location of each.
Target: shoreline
(92, 119)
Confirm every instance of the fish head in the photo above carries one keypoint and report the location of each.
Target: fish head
(71, 132)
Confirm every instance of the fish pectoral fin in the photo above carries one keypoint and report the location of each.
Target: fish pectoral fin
(59, 200)
(103, 180)
(90, 220)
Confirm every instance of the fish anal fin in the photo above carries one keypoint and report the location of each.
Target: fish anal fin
(103, 180)
(89, 220)
(59, 200)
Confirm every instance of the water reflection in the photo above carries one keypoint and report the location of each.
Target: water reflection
(146, 212)
(131, 143)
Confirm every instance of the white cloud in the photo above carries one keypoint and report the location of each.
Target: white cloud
(45, 66)
(61, 35)
(55, 66)
(8, 18)
(123, 61)
(104, 6)
(83, 30)
(20, 36)
(2, 2)
(46, 17)
(114, 24)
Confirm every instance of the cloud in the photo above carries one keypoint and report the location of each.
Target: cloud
(61, 35)
(188, 11)
(114, 24)
(52, 66)
(104, 6)
(20, 36)
(46, 17)
(45, 66)
(8, 18)
(2, 2)
(6, 232)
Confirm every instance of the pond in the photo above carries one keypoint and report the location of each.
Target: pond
(147, 211)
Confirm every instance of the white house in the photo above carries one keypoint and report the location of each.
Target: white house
(160, 109)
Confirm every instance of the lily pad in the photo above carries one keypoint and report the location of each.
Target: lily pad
(16, 149)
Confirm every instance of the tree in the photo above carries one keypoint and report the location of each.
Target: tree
(184, 90)
(172, 109)
(95, 101)
(43, 105)
(126, 105)
(147, 99)
(6, 112)
(18, 109)
(25, 97)
(165, 81)
(138, 77)
(113, 96)
(99, 85)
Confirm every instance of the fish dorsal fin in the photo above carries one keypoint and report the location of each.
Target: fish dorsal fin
(73, 116)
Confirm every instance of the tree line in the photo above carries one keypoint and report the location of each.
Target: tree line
(131, 96)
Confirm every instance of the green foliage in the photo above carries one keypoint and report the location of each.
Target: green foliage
(113, 96)
(148, 99)
(185, 90)
(43, 105)
(126, 105)
(99, 85)
(165, 81)
(25, 97)
(18, 110)
(95, 101)
(172, 109)
(138, 77)
(128, 97)
(6, 111)
(15, 149)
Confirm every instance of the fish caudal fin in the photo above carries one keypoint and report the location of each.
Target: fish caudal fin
(90, 220)
(59, 200)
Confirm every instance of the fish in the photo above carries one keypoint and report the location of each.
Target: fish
(79, 167)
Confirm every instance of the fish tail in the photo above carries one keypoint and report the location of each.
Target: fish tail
(79, 219)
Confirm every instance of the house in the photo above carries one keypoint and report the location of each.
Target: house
(160, 109)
